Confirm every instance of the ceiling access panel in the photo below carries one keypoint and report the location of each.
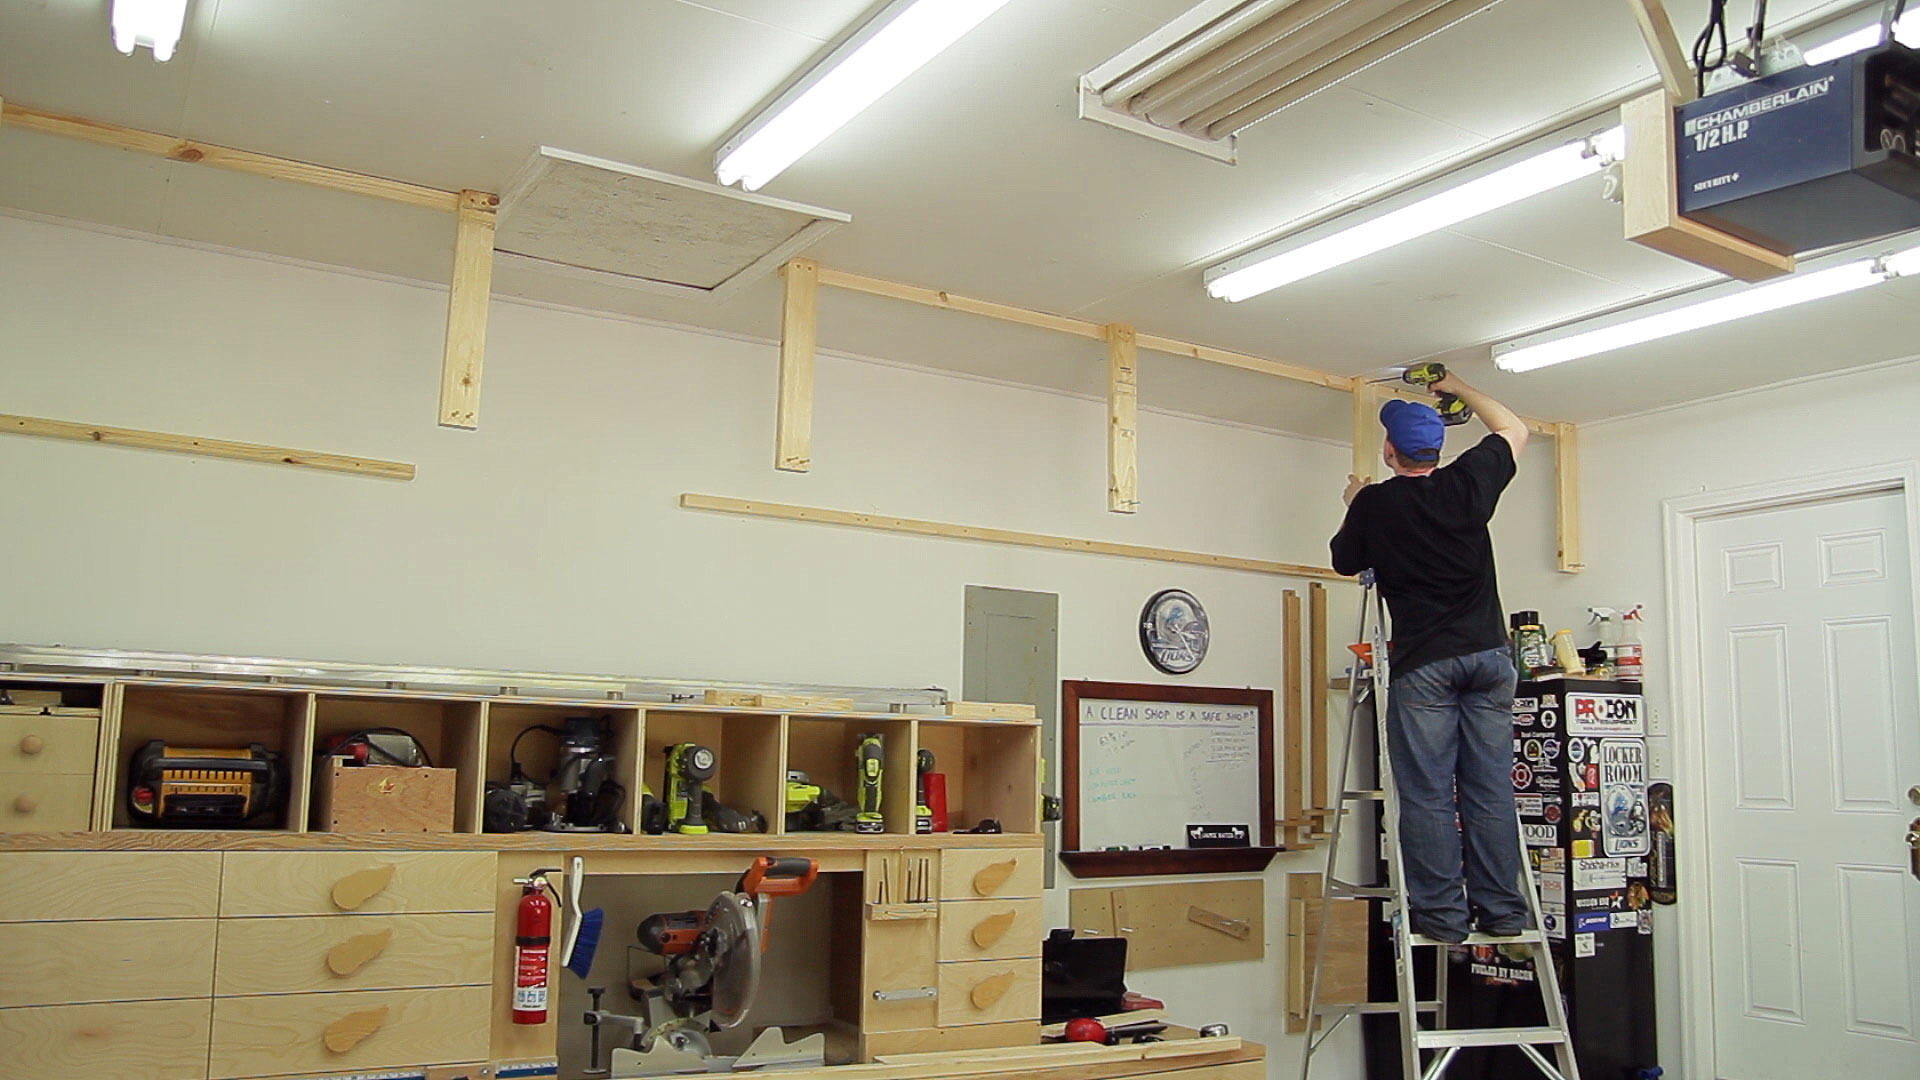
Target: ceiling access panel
(586, 217)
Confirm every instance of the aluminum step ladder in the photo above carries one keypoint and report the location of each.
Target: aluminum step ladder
(1425, 1051)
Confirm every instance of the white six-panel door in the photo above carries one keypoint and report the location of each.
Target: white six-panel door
(1813, 740)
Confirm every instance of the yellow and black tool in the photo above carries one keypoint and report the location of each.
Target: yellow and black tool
(689, 767)
(189, 787)
(870, 760)
(1453, 412)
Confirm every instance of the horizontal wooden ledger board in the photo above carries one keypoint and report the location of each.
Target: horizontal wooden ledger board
(193, 444)
(917, 527)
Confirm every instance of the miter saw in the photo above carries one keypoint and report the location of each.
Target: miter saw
(712, 972)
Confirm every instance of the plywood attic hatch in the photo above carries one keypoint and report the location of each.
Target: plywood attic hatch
(585, 216)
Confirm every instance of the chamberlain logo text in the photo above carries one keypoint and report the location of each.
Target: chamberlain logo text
(1731, 124)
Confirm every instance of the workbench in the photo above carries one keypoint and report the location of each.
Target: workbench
(170, 954)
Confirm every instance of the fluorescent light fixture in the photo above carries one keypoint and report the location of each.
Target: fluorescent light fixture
(891, 46)
(1286, 262)
(153, 23)
(1906, 31)
(1635, 326)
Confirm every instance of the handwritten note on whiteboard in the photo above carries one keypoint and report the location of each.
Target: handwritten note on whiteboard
(1148, 769)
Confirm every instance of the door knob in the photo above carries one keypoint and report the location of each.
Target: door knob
(1913, 848)
(1913, 794)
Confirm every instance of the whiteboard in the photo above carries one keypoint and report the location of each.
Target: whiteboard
(1148, 769)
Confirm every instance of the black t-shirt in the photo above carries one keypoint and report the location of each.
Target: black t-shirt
(1425, 537)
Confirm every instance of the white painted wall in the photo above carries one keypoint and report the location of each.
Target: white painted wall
(1629, 467)
(550, 539)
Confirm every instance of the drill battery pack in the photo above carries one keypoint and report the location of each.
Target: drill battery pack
(186, 787)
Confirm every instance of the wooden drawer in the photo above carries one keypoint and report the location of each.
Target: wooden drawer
(333, 883)
(353, 952)
(39, 886)
(379, 1029)
(991, 929)
(145, 1040)
(973, 873)
(59, 963)
(52, 744)
(989, 991)
(45, 802)
(898, 956)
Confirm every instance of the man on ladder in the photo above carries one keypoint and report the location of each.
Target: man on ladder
(1441, 704)
(1450, 711)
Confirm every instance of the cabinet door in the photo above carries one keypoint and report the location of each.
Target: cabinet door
(59, 963)
(303, 953)
(981, 873)
(988, 991)
(145, 1040)
(41, 886)
(381, 1029)
(335, 883)
(990, 929)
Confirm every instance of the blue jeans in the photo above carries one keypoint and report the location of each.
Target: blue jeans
(1450, 729)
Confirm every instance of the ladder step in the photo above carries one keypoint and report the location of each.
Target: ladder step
(1527, 1036)
(1374, 1008)
(1525, 937)
(1342, 890)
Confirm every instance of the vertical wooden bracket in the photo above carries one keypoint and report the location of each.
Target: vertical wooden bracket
(799, 323)
(467, 299)
(1566, 460)
(1650, 200)
(1292, 766)
(1123, 404)
(1317, 706)
(1366, 432)
(1669, 57)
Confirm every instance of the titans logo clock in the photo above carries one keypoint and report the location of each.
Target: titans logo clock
(1173, 631)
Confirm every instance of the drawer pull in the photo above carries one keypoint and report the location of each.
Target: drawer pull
(32, 744)
(987, 991)
(359, 887)
(347, 1032)
(25, 804)
(990, 878)
(914, 993)
(354, 953)
(992, 929)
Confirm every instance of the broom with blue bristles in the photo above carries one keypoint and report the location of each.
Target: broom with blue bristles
(583, 937)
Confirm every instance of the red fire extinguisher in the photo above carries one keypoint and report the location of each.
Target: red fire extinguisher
(532, 934)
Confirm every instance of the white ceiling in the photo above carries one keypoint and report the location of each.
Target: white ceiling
(974, 176)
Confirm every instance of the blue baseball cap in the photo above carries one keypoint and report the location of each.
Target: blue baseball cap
(1414, 429)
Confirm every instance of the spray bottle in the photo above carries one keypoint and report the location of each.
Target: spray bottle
(1627, 654)
(1609, 635)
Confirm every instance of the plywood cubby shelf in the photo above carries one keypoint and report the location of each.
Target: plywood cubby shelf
(991, 765)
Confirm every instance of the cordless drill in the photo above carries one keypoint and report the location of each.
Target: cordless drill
(1453, 412)
(870, 762)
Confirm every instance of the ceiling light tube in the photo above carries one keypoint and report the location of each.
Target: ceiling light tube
(154, 23)
(891, 46)
(1288, 261)
(1906, 31)
(1638, 325)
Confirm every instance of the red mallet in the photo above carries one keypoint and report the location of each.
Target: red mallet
(1086, 1030)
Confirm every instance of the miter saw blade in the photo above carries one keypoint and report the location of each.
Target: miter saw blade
(732, 941)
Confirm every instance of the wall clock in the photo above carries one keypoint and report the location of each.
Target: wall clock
(1173, 631)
